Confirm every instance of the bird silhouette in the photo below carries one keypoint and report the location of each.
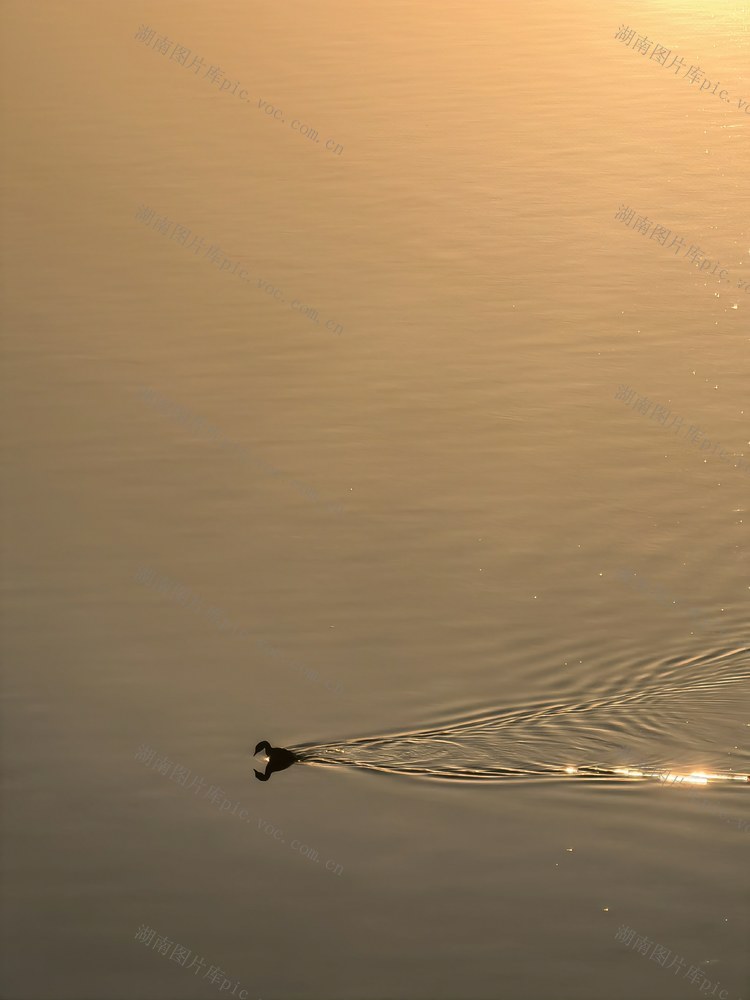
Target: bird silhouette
(279, 758)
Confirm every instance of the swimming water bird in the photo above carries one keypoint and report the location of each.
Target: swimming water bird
(279, 758)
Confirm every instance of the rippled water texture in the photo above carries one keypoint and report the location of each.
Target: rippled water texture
(449, 492)
(611, 736)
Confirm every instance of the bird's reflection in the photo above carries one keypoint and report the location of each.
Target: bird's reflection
(279, 758)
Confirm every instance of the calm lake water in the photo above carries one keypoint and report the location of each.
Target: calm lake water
(356, 402)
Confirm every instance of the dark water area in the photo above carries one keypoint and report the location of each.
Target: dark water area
(375, 385)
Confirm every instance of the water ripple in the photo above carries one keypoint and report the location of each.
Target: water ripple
(624, 733)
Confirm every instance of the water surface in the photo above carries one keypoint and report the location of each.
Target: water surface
(446, 529)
